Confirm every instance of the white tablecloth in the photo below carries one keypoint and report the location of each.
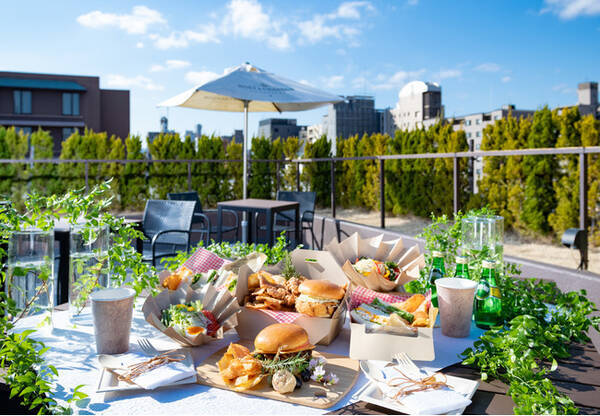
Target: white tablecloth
(73, 352)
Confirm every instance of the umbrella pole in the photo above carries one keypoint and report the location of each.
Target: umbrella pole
(245, 174)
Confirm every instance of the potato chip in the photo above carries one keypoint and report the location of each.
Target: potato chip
(239, 369)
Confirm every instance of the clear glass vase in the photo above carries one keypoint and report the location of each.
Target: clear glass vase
(30, 278)
(88, 265)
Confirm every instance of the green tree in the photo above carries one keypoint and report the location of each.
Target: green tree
(515, 177)
(567, 186)
(234, 170)
(210, 179)
(540, 173)
(291, 151)
(43, 176)
(348, 190)
(134, 185)
(166, 177)
(317, 174)
(13, 145)
(260, 184)
(589, 129)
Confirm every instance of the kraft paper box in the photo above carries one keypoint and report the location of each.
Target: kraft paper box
(409, 260)
(311, 264)
(222, 304)
(382, 346)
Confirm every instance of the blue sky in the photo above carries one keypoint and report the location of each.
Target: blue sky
(483, 53)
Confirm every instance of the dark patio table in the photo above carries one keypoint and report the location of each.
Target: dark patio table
(577, 376)
(252, 206)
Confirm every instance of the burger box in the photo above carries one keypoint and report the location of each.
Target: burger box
(311, 264)
(409, 259)
(365, 345)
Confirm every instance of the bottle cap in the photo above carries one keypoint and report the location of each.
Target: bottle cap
(488, 264)
(436, 253)
(461, 260)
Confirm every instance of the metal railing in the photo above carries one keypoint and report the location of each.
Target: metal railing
(455, 156)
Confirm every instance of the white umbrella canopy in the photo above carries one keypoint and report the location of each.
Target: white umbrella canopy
(250, 89)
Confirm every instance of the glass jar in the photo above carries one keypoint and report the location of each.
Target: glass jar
(30, 278)
(88, 265)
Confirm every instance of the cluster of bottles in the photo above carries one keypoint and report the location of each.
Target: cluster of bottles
(487, 307)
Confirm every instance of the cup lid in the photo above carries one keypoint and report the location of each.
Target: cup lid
(456, 283)
(112, 294)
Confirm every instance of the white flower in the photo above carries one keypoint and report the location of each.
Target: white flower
(318, 373)
(313, 363)
(332, 379)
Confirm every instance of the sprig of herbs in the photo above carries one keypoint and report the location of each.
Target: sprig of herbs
(294, 364)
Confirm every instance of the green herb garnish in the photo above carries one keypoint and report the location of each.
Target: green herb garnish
(289, 270)
(295, 364)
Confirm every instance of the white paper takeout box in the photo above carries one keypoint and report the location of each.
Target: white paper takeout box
(222, 304)
(409, 259)
(311, 264)
(382, 346)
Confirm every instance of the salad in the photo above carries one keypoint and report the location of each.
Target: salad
(190, 319)
(389, 270)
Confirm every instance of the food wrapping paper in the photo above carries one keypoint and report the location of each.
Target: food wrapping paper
(222, 304)
(409, 259)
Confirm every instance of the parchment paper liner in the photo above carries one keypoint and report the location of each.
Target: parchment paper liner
(222, 304)
(410, 260)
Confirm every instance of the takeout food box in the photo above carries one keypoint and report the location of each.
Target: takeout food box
(410, 260)
(222, 304)
(365, 345)
(311, 264)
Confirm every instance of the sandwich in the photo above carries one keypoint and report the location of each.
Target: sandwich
(190, 319)
(319, 298)
(283, 347)
(388, 270)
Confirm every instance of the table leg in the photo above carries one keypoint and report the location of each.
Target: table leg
(298, 235)
(63, 238)
(270, 227)
(250, 216)
(220, 222)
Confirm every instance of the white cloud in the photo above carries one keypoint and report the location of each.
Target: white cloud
(351, 9)
(323, 26)
(390, 82)
(121, 81)
(334, 81)
(305, 82)
(488, 67)
(247, 19)
(200, 77)
(506, 79)
(447, 73)
(563, 89)
(570, 9)
(135, 23)
(139, 45)
(170, 64)
(177, 39)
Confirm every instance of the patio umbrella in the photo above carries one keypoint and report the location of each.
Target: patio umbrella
(250, 89)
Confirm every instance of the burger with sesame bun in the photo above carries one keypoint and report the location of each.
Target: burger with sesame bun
(283, 347)
(319, 298)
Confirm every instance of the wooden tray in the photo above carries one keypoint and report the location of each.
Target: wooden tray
(345, 368)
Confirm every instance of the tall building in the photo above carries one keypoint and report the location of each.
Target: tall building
(61, 104)
(314, 132)
(419, 105)
(164, 128)
(194, 134)
(355, 115)
(587, 99)
(236, 137)
(273, 128)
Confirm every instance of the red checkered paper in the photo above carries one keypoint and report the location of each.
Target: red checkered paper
(203, 260)
(363, 295)
(282, 317)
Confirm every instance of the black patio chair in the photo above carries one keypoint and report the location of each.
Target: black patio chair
(167, 224)
(200, 216)
(284, 221)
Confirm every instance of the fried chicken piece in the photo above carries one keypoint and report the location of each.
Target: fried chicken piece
(293, 285)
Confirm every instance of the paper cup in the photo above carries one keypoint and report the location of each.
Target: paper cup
(112, 310)
(455, 299)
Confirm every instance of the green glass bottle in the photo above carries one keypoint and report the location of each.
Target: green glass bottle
(437, 272)
(488, 299)
(462, 268)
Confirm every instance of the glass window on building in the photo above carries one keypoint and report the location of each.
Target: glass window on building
(478, 134)
(478, 147)
(496, 117)
(22, 102)
(67, 131)
(468, 122)
(70, 104)
(469, 135)
(478, 121)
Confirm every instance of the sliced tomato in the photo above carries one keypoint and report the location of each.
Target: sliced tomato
(213, 326)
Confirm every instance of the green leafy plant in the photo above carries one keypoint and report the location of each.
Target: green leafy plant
(525, 350)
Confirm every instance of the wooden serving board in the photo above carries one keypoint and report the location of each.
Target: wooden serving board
(345, 368)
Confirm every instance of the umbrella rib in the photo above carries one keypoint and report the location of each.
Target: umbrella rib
(277, 108)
